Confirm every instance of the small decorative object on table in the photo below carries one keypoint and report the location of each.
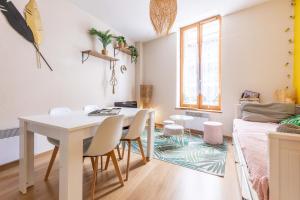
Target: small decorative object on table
(105, 112)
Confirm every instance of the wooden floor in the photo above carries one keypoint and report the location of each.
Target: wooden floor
(157, 180)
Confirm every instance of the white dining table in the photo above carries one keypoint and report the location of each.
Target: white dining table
(70, 130)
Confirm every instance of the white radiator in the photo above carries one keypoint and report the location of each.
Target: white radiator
(197, 122)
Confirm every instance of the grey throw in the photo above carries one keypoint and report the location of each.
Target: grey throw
(272, 112)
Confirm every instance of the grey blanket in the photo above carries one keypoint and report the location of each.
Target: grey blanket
(272, 112)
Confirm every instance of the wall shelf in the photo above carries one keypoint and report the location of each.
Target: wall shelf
(123, 49)
(89, 53)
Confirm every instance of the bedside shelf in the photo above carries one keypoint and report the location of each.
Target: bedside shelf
(98, 55)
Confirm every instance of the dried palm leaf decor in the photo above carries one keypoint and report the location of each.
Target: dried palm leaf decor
(33, 20)
(163, 14)
(18, 23)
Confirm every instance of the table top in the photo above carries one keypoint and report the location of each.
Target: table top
(75, 120)
(181, 117)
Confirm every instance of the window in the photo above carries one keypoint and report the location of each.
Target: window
(200, 85)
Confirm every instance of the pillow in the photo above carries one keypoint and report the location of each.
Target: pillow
(272, 112)
(295, 120)
(255, 117)
(288, 128)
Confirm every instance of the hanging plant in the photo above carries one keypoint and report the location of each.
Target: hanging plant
(104, 37)
(134, 54)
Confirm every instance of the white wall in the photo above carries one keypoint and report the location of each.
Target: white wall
(26, 90)
(254, 51)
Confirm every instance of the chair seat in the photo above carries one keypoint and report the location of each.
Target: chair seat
(86, 142)
(173, 129)
(167, 122)
(55, 142)
(124, 133)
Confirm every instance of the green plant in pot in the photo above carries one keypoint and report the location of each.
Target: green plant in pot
(104, 37)
(134, 53)
(121, 41)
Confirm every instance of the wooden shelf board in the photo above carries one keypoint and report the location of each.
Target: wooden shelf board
(99, 55)
(124, 50)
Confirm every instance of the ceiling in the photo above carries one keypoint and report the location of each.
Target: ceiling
(131, 17)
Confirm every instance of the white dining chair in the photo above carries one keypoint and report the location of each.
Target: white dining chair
(134, 134)
(59, 111)
(104, 142)
(90, 108)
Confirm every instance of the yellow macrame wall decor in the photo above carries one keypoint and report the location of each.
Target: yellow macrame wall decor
(33, 20)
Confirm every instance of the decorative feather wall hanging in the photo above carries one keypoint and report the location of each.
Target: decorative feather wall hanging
(17, 22)
(33, 20)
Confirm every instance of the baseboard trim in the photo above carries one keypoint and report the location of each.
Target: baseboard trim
(16, 162)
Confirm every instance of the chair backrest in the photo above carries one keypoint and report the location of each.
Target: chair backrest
(90, 108)
(138, 125)
(59, 111)
(107, 136)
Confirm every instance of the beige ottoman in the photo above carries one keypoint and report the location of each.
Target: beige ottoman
(213, 132)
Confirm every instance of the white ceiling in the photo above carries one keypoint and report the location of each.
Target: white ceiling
(131, 17)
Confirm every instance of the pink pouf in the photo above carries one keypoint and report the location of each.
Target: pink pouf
(213, 132)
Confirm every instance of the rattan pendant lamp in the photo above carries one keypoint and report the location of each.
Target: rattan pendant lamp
(163, 14)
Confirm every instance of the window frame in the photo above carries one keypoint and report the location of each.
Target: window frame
(199, 25)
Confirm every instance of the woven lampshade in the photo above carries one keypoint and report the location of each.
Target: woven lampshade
(146, 95)
(163, 14)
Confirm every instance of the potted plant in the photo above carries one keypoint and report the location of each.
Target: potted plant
(104, 37)
(134, 54)
(121, 41)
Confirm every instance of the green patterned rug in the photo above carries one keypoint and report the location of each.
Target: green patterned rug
(195, 154)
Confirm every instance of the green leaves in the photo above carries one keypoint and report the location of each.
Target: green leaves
(104, 37)
(134, 54)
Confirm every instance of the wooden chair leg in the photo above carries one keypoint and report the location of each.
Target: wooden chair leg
(94, 178)
(54, 153)
(139, 141)
(128, 160)
(123, 148)
(93, 163)
(107, 162)
(116, 165)
(101, 163)
(119, 153)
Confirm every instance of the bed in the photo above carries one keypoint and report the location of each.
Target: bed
(267, 162)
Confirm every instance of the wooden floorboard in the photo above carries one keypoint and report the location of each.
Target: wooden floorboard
(157, 180)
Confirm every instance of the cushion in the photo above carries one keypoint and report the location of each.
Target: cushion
(288, 128)
(86, 143)
(295, 120)
(255, 117)
(273, 112)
